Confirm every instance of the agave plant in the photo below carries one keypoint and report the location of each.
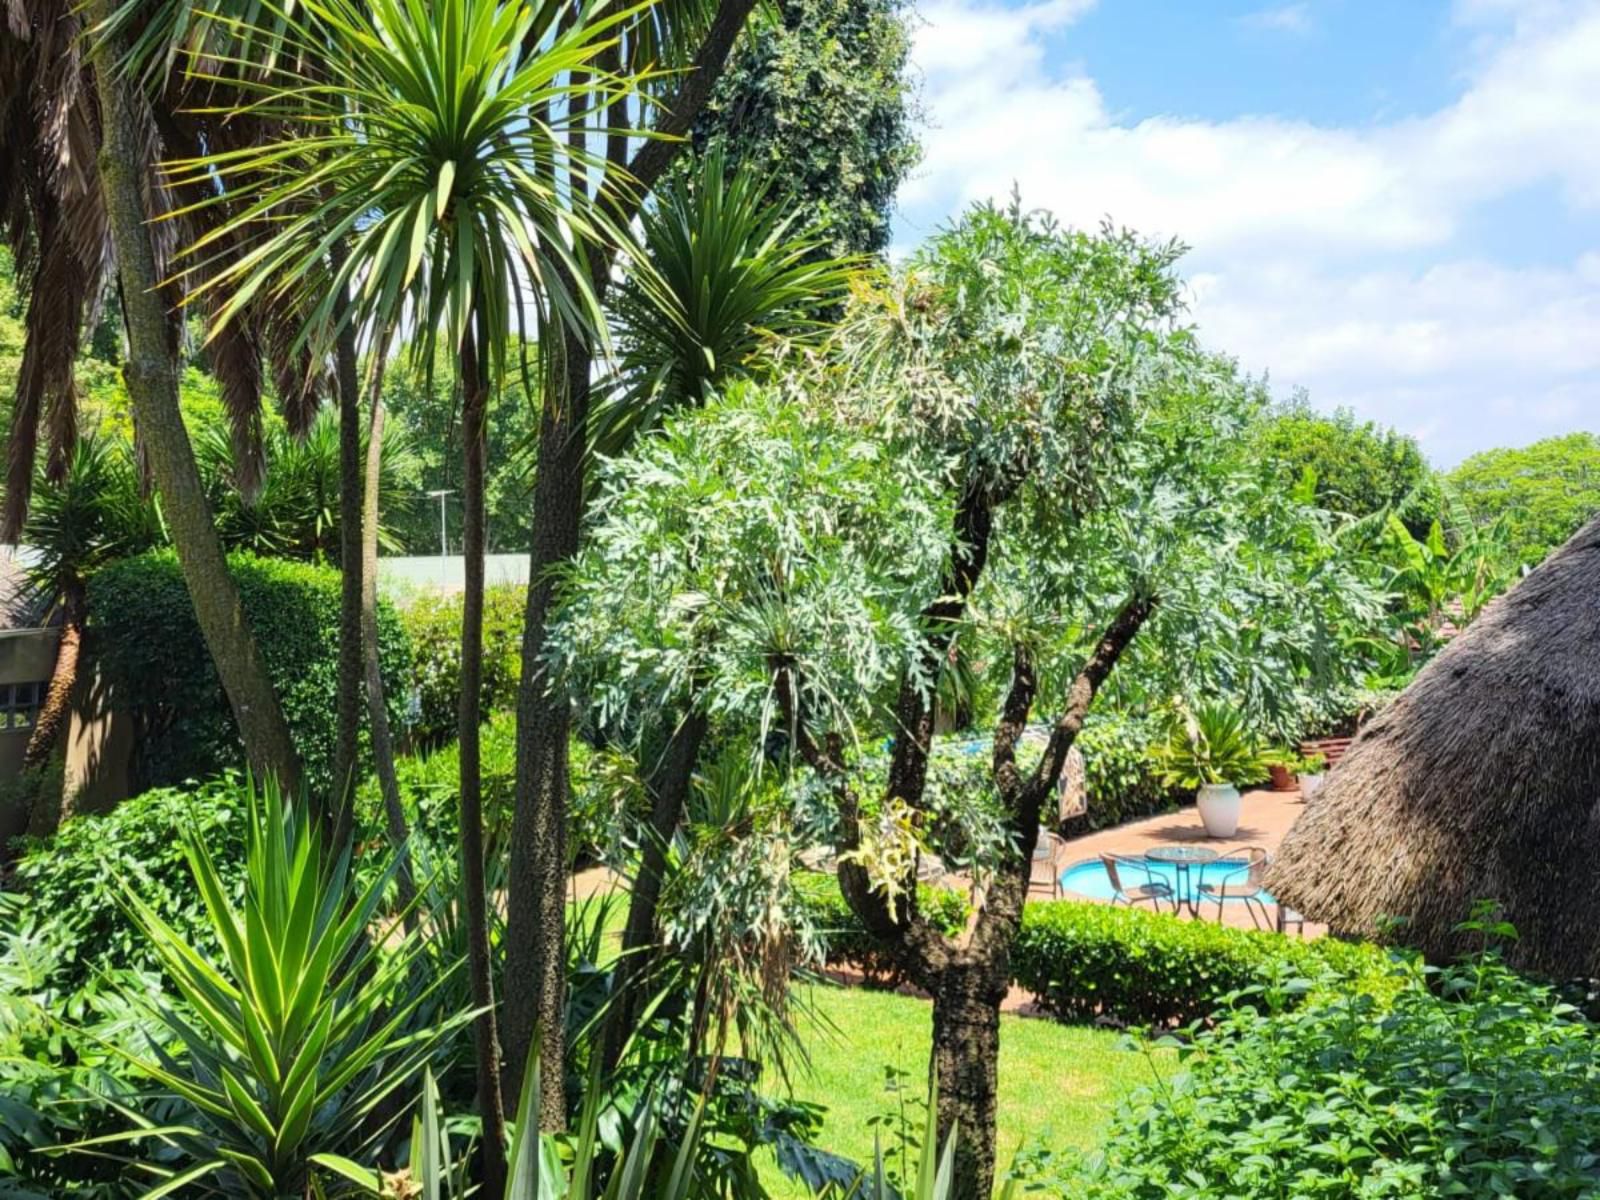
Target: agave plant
(1211, 743)
(285, 1048)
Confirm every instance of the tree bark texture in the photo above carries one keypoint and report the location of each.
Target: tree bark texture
(56, 711)
(352, 565)
(394, 813)
(474, 413)
(535, 915)
(151, 375)
(671, 787)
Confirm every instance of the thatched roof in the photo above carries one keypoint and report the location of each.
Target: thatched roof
(1480, 781)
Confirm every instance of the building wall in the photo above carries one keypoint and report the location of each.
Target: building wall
(26, 656)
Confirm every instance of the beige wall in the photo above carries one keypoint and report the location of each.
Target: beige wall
(26, 656)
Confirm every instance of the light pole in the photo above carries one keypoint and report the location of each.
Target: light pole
(444, 546)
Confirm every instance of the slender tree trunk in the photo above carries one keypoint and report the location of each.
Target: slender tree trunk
(535, 909)
(56, 710)
(474, 412)
(536, 906)
(377, 710)
(346, 746)
(671, 795)
(151, 375)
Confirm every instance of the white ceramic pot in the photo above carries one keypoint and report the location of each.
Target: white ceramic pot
(1219, 809)
(1311, 785)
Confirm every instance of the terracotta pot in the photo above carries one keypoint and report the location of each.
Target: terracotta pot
(1219, 809)
(1280, 779)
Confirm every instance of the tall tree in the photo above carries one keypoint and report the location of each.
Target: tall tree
(817, 95)
(697, 38)
(408, 141)
(1543, 492)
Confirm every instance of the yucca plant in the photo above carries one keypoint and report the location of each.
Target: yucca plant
(285, 1047)
(539, 1164)
(730, 270)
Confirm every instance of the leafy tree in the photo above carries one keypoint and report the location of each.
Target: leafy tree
(817, 95)
(1544, 492)
(1359, 468)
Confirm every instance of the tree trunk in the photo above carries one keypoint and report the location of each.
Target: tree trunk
(55, 712)
(966, 1058)
(346, 746)
(474, 411)
(671, 794)
(151, 375)
(536, 905)
(535, 909)
(377, 711)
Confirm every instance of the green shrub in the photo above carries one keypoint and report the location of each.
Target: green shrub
(841, 938)
(1097, 961)
(433, 626)
(1479, 1086)
(73, 880)
(143, 637)
(1121, 779)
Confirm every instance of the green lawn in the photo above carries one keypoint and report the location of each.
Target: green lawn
(1056, 1082)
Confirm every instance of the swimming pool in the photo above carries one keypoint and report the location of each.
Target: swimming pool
(1088, 878)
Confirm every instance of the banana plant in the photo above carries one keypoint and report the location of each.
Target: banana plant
(283, 1049)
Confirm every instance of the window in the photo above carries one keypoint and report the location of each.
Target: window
(19, 704)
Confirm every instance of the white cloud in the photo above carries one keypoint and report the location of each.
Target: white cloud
(1299, 228)
(1285, 18)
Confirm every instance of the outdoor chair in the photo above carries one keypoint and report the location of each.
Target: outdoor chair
(1130, 893)
(1240, 881)
(1045, 870)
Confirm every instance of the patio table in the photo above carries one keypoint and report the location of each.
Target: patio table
(1182, 858)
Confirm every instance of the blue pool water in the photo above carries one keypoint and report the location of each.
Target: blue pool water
(1088, 878)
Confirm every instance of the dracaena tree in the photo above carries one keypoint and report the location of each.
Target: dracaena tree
(414, 185)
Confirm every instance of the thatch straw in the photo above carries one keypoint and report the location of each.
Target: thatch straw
(1480, 781)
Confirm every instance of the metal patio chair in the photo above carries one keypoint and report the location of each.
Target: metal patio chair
(1155, 891)
(1236, 880)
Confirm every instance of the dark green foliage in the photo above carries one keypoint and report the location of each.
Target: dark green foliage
(1120, 778)
(1094, 961)
(143, 637)
(843, 940)
(1543, 492)
(74, 878)
(817, 97)
(1359, 467)
(433, 628)
(1478, 1086)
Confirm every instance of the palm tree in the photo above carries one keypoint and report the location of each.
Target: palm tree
(95, 515)
(77, 199)
(409, 147)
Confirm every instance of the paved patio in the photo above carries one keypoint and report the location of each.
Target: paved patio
(1264, 818)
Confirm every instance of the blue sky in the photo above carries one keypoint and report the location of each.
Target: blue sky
(1393, 204)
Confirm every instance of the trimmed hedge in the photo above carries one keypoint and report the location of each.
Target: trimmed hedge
(433, 627)
(1120, 778)
(143, 636)
(842, 940)
(1087, 962)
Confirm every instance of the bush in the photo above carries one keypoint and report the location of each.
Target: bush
(433, 626)
(1481, 1086)
(143, 636)
(73, 880)
(1120, 776)
(841, 938)
(1095, 961)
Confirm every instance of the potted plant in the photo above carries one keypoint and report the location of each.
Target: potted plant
(1281, 763)
(1211, 749)
(1309, 774)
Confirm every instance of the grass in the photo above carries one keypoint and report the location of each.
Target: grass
(1057, 1083)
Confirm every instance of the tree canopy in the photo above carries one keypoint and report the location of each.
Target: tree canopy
(1359, 467)
(1543, 492)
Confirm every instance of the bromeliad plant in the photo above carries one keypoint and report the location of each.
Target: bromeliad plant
(287, 1043)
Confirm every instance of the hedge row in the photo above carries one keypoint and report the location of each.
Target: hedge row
(1088, 962)
(841, 938)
